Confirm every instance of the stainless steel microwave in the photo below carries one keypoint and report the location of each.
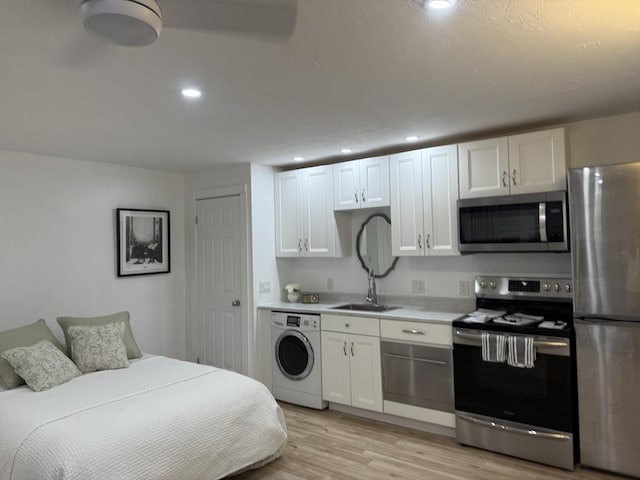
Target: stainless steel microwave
(533, 222)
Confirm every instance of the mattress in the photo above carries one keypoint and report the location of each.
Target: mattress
(158, 419)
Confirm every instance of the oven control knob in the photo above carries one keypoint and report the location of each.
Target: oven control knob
(556, 287)
(492, 285)
(483, 284)
(567, 288)
(546, 287)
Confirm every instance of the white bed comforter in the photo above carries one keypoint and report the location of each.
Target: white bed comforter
(159, 419)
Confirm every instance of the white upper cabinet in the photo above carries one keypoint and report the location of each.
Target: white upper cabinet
(288, 196)
(526, 163)
(484, 168)
(305, 222)
(537, 161)
(440, 194)
(424, 191)
(361, 184)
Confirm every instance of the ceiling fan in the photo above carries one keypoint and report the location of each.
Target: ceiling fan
(139, 22)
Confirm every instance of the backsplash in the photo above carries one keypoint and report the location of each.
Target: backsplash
(418, 277)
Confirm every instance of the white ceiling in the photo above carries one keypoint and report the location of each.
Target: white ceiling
(361, 74)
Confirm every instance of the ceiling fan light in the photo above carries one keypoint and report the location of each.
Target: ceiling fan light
(122, 22)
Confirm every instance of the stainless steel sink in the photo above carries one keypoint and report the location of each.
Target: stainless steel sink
(364, 307)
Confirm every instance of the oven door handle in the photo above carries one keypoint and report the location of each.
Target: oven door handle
(536, 343)
(415, 359)
(520, 431)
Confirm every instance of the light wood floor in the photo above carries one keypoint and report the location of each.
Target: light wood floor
(331, 445)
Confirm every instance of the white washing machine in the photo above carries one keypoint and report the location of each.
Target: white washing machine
(297, 366)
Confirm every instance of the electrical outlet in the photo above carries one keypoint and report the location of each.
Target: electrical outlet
(463, 285)
(265, 287)
(418, 286)
(329, 284)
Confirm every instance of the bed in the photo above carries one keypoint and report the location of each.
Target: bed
(158, 419)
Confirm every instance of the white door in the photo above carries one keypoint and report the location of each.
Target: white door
(219, 282)
(319, 225)
(484, 168)
(336, 378)
(346, 181)
(288, 214)
(374, 182)
(366, 372)
(407, 229)
(440, 182)
(537, 161)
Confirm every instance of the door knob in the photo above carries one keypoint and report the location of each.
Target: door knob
(235, 303)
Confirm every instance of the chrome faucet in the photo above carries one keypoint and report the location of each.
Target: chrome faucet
(372, 295)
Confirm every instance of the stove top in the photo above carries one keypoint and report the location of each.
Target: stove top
(525, 305)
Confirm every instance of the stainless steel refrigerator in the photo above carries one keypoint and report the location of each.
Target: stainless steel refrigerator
(605, 245)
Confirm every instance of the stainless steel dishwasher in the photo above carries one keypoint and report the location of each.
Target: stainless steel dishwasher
(419, 375)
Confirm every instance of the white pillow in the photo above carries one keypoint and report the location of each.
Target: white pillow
(41, 365)
(98, 347)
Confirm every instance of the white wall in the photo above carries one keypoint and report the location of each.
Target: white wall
(58, 246)
(604, 141)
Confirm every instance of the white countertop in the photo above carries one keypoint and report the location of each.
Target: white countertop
(403, 313)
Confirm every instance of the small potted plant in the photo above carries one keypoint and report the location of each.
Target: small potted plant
(293, 292)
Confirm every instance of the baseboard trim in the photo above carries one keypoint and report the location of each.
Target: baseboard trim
(394, 420)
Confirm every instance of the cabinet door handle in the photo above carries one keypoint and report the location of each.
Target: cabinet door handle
(352, 354)
(363, 197)
(306, 244)
(504, 178)
(513, 177)
(419, 240)
(428, 238)
(413, 332)
(356, 194)
(344, 348)
(300, 244)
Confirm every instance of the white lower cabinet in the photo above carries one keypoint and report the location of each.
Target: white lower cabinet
(351, 373)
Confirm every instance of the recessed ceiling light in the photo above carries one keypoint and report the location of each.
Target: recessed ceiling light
(346, 150)
(191, 93)
(411, 138)
(298, 159)
(440, 3)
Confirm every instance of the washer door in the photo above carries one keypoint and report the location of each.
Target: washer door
(294, 355)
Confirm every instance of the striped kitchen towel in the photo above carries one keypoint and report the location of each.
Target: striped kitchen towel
(493, 347)
(521, 351)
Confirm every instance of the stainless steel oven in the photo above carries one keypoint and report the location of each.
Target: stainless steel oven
(514, 223)
(526, 412)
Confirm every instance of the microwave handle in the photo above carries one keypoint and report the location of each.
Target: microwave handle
(542, 221)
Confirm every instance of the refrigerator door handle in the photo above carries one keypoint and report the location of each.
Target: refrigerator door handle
(542, 221)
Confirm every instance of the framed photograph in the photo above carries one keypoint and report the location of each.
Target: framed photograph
(143, 242)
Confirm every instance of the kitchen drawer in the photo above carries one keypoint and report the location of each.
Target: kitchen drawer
(416, 332)
(346, 324)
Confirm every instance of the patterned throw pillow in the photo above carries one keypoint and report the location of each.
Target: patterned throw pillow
(41, 365)
(98, 347)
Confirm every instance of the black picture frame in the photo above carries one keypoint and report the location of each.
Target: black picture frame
(143, 241)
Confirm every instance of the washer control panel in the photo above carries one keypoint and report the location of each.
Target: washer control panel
(296, 321)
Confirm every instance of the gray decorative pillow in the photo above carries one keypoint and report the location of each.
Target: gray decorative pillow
(41, 365)
(98, 347)
(133, 351)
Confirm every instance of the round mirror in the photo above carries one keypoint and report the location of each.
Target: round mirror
(373, 245)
